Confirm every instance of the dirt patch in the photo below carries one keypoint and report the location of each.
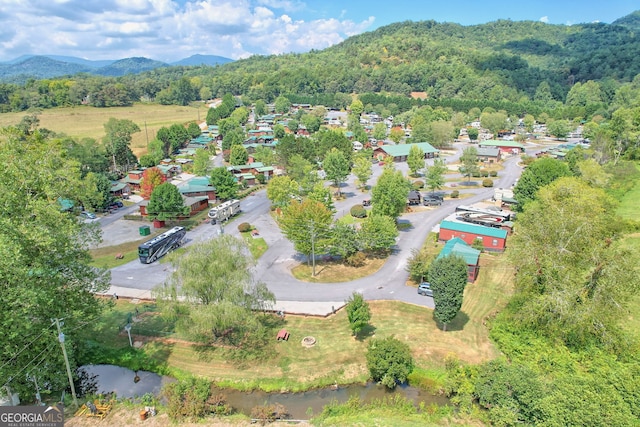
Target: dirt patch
(125, 417)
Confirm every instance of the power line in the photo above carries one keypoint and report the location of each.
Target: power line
(48, 348)
(23, 349)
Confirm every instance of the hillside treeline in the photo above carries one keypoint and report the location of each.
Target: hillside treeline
(499, 62)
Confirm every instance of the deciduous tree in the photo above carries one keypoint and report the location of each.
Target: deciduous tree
(389, 196)
(117, 142)
(166, 203)
(362, 170)
(538, 174)
(378, 233)
(469, 162)
(358, 313)
(224, 182)
(336, 167)
(389, 361)
(415, 160)
(448, 278)
(281, 190)
(434, 176)
(46, 270)
(211, 293)
(151, 178)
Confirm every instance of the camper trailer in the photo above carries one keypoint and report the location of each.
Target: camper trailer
(224, 211)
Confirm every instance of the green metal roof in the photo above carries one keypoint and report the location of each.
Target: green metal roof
(496, 143)
(458, 246)
(474, 229)
(403, 149)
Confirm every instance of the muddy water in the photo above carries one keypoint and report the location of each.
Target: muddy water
(123, 383)
(300, 405)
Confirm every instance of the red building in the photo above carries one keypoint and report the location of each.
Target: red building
(493, 239)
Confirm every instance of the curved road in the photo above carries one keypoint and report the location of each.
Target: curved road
(273, 268)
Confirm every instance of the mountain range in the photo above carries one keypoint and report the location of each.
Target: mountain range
(49, 66)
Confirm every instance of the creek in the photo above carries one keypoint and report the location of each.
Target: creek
(109, 378)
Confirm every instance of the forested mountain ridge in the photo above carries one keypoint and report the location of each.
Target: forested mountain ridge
(501, 61)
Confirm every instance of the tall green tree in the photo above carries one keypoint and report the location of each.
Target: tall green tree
(306, 224)
(415, 160)
(336, 167)
(389, 361)
(441, 133)
(46, 270)
(574, 279)
(448, 278)
(238, 155)
(493, 121)
(211, 293)
(201, 162)
(379, 131)
(224, 182)
(362, 170)
(282, 104)
(166, 203)
(538, 174)
(117, 142)
(469, 162)
(358, 313)
(434, 177)
(281, 190)
(389, 196)
(377, 234)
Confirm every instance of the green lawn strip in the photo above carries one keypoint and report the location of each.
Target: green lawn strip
(257, 245)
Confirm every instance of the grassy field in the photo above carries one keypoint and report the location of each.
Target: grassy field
(337, 356)
(628, 209)
(85, 121)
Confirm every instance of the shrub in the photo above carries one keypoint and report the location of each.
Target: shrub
(358, 211)
(493, 173)
(476, 174)
(244, 227)
(261, 178)
(389, 361)
(418, 185)
(455, 194)
(484, 173)
(355, 260)
(487, 182)
(187, 398)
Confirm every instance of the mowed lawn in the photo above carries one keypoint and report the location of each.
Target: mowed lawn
(337, 355)
(628, 209)
(84, 121)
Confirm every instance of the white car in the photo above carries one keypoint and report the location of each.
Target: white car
(87, 215)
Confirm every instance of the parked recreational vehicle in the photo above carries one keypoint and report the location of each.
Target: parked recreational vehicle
(157, 247)
(224, 211)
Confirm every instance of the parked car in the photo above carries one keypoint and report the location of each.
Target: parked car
(429, 201)
(116, 205)
(87, 215)
(424, 288)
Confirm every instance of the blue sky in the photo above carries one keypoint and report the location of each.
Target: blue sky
(169, 30)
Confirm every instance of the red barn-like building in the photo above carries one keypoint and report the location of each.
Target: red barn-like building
(493, 239)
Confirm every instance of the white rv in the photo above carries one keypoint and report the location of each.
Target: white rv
(224, 211)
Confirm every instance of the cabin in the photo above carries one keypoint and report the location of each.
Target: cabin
(493, 239)
(400, 152)
(470, 255)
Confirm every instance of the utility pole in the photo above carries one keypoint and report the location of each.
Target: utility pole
(66, 361)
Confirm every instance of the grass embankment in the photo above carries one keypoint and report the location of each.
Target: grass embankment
(628, 209)
(336, 356)
(88, 122)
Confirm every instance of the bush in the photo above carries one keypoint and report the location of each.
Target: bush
(476, 174)
(493, 173)
(187, 398)
(244, 227)
(455, 194)
(358, 211)
(261, 178)
(389, 361)
(484, 173)
(418, 185)
(356, 260)
(487, 182)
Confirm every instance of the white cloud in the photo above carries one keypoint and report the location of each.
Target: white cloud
(166, 30)
(544, 19)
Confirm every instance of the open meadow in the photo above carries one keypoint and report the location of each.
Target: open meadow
(88, 122)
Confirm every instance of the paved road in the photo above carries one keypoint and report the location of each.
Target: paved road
(136, 280)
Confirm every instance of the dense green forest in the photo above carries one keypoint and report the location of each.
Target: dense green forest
(502, 61)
